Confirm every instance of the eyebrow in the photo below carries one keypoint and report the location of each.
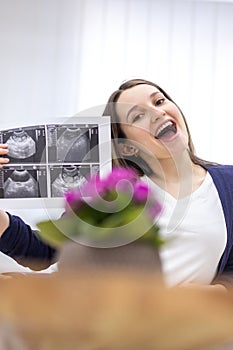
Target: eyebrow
(137, 106)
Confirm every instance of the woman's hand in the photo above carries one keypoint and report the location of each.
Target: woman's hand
(3, 151)
(211, 287)
(4, 221)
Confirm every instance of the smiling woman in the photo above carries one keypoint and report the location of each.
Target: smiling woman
(151, 135)
(157, 122)
(143, 105)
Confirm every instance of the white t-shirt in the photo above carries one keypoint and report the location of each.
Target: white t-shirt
(195, 232)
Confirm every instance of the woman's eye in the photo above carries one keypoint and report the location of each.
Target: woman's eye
(160, 101)
(137, 117)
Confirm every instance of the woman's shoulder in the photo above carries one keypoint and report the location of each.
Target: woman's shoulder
(222, 176)
(220, 169)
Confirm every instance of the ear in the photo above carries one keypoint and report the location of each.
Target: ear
(126, 149)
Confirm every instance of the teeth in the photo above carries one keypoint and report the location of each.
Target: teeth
(163, 127)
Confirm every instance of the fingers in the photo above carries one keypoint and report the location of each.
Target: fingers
(3, 161)
(3, 148)
(3, 151)
(3, 145)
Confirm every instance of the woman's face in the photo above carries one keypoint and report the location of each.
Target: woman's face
(153, 125)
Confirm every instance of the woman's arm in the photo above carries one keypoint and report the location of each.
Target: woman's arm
(23, 244)
(18, 240)
(226, 276)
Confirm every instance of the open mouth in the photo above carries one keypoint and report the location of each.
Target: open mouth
(166, 131)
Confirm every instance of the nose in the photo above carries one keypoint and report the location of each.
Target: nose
(156, 114)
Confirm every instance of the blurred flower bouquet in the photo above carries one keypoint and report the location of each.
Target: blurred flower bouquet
(108, 212)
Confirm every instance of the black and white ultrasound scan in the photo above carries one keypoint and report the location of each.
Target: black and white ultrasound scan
(73, 143)
(48, 160)
(67, 177)
(23, 182)
(25, 144)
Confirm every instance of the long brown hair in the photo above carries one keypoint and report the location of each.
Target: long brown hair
(116, 132)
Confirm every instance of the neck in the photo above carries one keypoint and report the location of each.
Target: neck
(174, 168)
(178, 174)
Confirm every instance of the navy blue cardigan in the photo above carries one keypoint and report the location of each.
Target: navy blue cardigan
(222, 176)
(22, 243)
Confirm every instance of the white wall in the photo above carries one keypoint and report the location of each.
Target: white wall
(59, 57)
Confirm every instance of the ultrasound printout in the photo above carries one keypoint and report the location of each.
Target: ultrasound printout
(48, 160)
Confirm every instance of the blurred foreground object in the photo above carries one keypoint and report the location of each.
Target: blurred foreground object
(110, 310)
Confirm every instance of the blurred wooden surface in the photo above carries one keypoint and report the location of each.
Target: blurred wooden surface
(109, 311)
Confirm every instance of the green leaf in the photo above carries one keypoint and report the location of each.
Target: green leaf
(56, 232)
(131, 224)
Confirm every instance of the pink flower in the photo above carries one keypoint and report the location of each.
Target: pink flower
(115, 201)
(119, 174)
(73, 196)
(94, 187)
(120, 180)
(141, 192)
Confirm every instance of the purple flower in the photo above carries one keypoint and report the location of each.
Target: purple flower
(119, 180)
(94, 187)
(73, 196)
(119, 174)
(141, 192)
(114, 201)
